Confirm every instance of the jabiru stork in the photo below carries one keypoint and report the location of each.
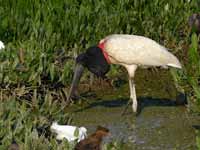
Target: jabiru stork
(129, 51)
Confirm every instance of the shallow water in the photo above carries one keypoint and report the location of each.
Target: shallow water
(160, 124)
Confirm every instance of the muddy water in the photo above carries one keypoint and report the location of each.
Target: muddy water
(160, 125)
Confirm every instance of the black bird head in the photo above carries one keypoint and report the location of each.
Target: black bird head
(94, 60)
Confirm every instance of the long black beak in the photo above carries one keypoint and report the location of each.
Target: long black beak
(73, 94)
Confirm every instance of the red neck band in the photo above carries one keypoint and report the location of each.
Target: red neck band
(105, 54)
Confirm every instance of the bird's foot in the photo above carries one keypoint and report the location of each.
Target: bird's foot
(134, 106)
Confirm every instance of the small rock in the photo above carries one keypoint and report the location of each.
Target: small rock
(13, 146)
(181, 99)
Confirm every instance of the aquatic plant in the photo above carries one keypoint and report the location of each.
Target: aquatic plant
(28, 122)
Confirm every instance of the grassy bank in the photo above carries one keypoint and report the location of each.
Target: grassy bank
(50, 32)
(42, 39)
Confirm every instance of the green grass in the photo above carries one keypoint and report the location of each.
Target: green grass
(28, 122)
(41, 36)
(50, 31)
(188, 79)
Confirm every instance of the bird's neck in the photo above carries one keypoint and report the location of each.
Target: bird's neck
(105, 54)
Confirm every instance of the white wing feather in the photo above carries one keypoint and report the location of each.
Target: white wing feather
(139, 50)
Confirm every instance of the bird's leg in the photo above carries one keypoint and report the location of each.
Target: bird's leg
(91, 81)
(131, 71)
(108, 81)
(133, 94)
(132, 97)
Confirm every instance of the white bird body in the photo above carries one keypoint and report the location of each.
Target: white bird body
(2, 46)
(132, 51)
(129, 51)
(68, 132)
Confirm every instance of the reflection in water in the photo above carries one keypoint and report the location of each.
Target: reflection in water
(161, 123)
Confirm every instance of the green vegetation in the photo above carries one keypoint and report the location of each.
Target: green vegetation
(48, 32)
(187, 80)
(42, 36)
(28, 123)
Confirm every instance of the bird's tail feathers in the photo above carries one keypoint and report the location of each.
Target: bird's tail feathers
(174, 62)
(175, 65)
(83, 129)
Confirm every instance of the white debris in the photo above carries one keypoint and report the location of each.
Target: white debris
(71, 133)
(2, 46)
